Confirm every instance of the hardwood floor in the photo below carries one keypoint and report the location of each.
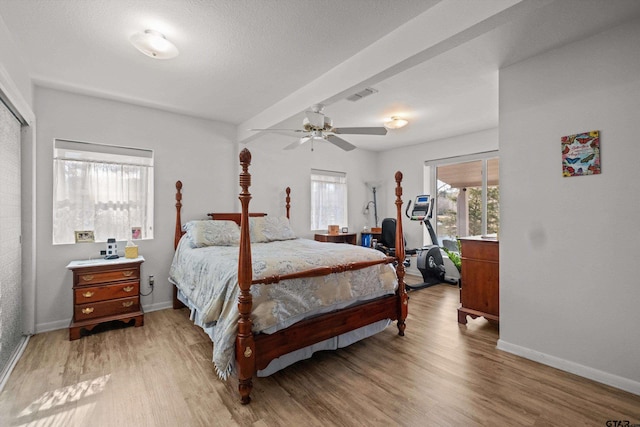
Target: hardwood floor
(439, 374)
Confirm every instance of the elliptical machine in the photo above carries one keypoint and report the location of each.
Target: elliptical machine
(433, 262)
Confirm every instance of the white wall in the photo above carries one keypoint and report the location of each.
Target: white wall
(410, 161)
(199, 152)
(273, 169)
(12, 65)
(569, 286)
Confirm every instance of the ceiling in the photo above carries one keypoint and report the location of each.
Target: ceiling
(260, 64)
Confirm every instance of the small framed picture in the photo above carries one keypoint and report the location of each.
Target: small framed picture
(136, 233)
(345, 229)
(85, 236)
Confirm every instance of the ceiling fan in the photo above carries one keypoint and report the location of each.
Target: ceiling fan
(317, 126)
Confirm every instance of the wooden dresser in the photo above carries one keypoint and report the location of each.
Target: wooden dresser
(480, 279)
(103, 291)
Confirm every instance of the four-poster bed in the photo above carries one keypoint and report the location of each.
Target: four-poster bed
(356, 291)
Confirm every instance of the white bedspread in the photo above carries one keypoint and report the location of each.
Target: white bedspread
(208, 277)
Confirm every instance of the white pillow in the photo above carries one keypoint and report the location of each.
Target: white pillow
(269, 229)
(212, 233)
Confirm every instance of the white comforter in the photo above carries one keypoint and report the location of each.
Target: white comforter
(208, 277)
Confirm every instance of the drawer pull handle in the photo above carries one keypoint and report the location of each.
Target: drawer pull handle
(88, 294)
(127, 303)
(87, 310)
(88, 277)
(127, 273)
(127, 288)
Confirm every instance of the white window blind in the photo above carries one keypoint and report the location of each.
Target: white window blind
(328, 199)
(102, 188)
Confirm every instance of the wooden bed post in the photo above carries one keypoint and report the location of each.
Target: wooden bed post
(403, 299)
(288, 200)
(178, 234)
(245, 344)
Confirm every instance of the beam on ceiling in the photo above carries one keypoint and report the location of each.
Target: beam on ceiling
(439, 29)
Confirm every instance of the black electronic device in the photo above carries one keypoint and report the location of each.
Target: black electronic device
(422, 208)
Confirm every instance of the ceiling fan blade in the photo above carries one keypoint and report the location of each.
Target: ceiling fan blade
(360, 131)
(277, 130)
(297, 143)
(339, 142)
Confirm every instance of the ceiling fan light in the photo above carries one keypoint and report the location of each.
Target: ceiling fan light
(154, 44)
(395, 122)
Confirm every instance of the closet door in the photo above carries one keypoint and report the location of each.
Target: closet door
(10, 230)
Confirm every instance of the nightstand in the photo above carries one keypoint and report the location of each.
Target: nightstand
(103, 291)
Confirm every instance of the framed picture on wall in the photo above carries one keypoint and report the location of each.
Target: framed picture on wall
(136, 233)
(84, 236)
(581, 154)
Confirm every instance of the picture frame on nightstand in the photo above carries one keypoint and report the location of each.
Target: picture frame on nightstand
(85, 236)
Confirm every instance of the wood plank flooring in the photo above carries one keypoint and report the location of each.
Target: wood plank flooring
(439, 374)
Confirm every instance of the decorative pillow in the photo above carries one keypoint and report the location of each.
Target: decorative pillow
(212, 233)
(268, 229)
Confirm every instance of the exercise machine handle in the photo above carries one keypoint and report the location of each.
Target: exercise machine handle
(406, 211)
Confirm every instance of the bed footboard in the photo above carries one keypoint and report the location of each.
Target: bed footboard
(255, 352)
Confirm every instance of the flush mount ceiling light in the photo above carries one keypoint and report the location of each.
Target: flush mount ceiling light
(395, 122)
(154, 44)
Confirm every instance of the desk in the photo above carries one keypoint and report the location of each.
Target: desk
(336, 238)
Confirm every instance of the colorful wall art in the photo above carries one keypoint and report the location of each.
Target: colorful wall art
(581, 154)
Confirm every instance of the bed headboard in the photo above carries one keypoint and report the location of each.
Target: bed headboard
(232, 216)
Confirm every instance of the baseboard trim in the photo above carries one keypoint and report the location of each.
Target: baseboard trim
(63, 324)
(52, 326)
(157, 306)
(6, 372)
(572, 367)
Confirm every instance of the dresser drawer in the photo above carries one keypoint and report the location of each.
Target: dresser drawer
(105, 292)
(90, 278)
(481, 250)
(106, 308)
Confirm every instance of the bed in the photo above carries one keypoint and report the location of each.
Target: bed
(268, 299)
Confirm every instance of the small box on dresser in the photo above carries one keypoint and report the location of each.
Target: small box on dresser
(104, 291)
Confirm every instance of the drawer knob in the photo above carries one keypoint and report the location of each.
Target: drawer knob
(88, 294)
(87, 310)
(87, 277)
(127, 273)
(127, 303)
(127, 288)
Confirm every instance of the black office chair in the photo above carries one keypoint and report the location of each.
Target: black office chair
(387, 242)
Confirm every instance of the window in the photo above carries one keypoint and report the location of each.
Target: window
(103, 188)
(468, 197)
(328, 199)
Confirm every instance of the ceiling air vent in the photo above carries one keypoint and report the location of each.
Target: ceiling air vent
(362, 94)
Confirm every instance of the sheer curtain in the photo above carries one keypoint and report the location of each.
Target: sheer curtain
(105, 192)
(328, 199)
